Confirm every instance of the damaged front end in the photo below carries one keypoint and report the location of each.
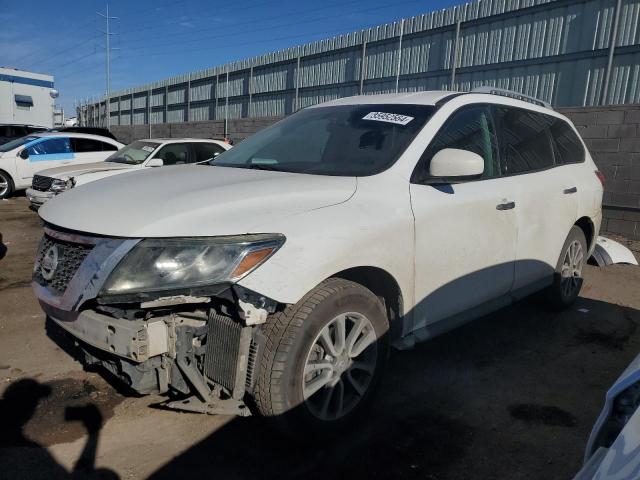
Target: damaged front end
(199, 341)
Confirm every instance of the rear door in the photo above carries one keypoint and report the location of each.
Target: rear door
(465, 232)
(88, 150)
(544, 195)
(204, 151)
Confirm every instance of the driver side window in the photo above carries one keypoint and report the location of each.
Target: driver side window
(470, 128)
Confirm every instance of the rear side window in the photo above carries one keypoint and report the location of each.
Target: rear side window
(107, 147)
(50, 146)
(568, 146)
(85, 145)
(207, 151)
(525, 140)
(470, 128)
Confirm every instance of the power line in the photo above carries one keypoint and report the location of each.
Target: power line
(72, 47)
(313, 20)
(154, 24)
(274, 17)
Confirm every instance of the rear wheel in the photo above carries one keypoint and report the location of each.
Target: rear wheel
(323, 359)
(6, 185)
(568, 276)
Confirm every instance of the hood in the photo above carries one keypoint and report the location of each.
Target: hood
(69, 171)
(184, 201)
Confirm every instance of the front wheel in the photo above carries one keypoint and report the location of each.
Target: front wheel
(323, 359)
(567, 280)
(6, 185)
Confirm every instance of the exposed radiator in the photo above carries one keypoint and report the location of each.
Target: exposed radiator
(227, 353)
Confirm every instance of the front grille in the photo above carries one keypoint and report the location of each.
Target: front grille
(69, 255)
(225, 361)
(41, 183)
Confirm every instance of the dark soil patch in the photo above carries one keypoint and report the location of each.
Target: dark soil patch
(542, 415)
(59, 411)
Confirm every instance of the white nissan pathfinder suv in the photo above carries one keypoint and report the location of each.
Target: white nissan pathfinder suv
(275, 279)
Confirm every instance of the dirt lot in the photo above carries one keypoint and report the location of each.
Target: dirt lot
(513, 395)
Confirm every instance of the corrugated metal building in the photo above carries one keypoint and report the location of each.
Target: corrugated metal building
(570, 53)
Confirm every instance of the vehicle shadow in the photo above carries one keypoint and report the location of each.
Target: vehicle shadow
(21, 457)
(513, 393)
(3, 248)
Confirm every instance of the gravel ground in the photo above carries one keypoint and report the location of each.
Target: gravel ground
(512, 395)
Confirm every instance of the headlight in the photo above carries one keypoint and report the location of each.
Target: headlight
(58, 185)
(166, 264)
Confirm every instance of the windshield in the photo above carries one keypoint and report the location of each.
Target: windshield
(349, 140)
(18, 142)
(134, 154)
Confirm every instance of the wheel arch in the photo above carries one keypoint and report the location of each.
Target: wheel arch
(586, 225)
(384, 286)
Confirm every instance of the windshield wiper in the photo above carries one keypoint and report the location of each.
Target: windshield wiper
(262, 166)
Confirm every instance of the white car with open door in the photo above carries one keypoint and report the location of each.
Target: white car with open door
(275, 279)
(141, 154)
(21, 158)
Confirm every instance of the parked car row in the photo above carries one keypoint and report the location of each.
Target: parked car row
(274, 278)
(138, 155)
(54, 161)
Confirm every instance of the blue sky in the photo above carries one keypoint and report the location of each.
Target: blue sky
(163, 38)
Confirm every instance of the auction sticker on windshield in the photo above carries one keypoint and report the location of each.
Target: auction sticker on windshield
(388, 117)
(147, 148)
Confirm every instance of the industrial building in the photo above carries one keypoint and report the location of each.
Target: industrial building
(569, 53)
(26, 97)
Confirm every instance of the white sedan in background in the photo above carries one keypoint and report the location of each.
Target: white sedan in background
(154, 152)
(22, 157)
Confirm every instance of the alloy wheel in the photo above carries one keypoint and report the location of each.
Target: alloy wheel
(572, 268)
(340, 366)
(4, 185)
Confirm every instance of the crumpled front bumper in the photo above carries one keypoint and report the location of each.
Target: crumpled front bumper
(135, 340)
(38, 198)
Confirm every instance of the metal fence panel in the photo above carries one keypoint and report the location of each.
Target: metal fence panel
(139, 118)
(554, 49)
(200, 112)
(202, 90)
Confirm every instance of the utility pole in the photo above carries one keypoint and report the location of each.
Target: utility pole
(108, 34)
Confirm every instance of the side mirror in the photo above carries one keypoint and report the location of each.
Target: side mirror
(453, 162)
(155, 162)
(24, 154)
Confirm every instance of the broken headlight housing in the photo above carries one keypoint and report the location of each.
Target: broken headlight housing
(58, 185)
(169, 264)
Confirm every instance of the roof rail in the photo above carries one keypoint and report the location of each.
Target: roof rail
(511, 94)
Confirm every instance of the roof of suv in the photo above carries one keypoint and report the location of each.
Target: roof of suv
(431, 97)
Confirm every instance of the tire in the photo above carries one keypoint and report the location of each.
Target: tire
(6, 185)
(297, 338)
(567, 279)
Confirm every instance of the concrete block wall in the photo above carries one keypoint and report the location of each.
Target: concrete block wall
(237, 129)
(612, 135)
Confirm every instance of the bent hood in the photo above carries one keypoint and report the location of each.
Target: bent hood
(69, 171)
(192, 201)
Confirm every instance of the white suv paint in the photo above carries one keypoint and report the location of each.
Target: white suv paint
(141, 154)
(22, 157)
(283, 272)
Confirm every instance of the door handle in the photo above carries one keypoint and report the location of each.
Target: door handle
(506, 206)
(570, 190)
